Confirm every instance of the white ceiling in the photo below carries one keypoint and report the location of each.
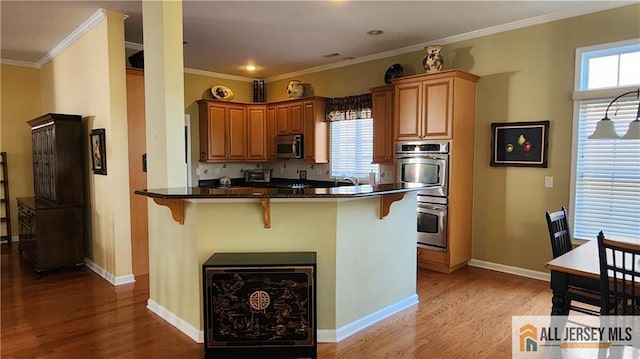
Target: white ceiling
(283, 37)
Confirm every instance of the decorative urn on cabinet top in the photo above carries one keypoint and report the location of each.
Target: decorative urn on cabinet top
(295, 89)
(433, 61)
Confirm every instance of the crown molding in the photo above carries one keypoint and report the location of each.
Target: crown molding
(92, 21)
(18, 63)
(133, 45)
(217, 74)
(588, 9)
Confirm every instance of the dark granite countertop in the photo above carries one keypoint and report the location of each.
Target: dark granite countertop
(269, 192)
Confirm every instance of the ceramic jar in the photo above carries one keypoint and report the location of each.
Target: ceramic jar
(433, 61)
(295, 89)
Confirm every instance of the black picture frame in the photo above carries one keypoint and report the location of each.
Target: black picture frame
(519, 144)
(98, 146)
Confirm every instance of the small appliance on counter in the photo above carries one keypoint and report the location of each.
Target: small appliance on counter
(257, 175)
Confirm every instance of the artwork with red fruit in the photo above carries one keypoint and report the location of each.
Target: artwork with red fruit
(521, 144)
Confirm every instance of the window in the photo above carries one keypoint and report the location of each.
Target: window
(352, 148)
(606, 186)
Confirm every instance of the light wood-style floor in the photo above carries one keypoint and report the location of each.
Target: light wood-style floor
(73, 314)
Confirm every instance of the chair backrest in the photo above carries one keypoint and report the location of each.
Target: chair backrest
(559, 233)
(619, 276)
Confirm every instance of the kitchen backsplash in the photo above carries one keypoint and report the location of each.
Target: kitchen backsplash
(283, 169)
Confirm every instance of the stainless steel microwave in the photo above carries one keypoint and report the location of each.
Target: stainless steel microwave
(289, 146)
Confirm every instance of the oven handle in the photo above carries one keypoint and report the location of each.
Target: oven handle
(431, 206)
(430, 157)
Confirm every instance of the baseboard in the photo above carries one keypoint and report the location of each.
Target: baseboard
(337, 335)
(188, 329)
(115, 281)
(511, 270)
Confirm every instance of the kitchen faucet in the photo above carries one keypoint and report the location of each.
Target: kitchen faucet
(354, 180)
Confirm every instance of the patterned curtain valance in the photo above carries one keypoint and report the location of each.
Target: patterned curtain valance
(349, 108)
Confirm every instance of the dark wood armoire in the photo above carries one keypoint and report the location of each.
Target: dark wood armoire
(51, 226)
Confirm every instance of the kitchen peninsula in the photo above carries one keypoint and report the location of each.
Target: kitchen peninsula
(364, 237)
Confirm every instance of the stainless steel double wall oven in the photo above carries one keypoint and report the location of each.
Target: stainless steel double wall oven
(427, 162)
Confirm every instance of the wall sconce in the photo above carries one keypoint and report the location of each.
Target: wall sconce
(605, 129)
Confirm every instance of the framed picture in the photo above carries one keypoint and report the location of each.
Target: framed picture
(98, 152)
(520, 144)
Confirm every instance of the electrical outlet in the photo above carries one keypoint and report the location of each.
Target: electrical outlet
(548, 181)
(303, 174)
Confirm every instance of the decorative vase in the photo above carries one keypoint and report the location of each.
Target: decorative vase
(433, 61)
(295, 89)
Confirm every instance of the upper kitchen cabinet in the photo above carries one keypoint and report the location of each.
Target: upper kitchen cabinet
(382, 113)
(257, 133)
(223, 131)
(427, 105)
(271, 133)
(305, 116)
(289, 118)
(316, 130)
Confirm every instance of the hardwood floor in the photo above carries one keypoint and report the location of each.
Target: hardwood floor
(73, 314)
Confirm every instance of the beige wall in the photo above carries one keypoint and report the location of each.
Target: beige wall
(88, 78)
(19, 103)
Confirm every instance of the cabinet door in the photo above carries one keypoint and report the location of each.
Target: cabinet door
(256, 131)
(282, 117)
(43, 142)
(382, 113)
(237, 132)
(316, 135)
(408, 111)
(216, 149)
(437, 110)
(296, 124)
(271, 133)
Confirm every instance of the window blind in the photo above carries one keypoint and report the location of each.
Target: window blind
(607, 188)
(352, 148)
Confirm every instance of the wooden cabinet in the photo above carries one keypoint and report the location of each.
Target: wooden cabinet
(58, 158)
(260, 305)
(223, 131)
(271, 133)
(443, 106)
(307, 117)
(424, 106)
(316, 131)
(51, 226)
(51, 236)
(246, 132)
(382, 113)
(289, 118)
(257, 130)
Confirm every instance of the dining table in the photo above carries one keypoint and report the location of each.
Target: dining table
(582, 262)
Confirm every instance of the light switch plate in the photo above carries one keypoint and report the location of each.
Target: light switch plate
(548, 181)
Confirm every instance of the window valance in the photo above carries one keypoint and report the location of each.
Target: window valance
(349, 108)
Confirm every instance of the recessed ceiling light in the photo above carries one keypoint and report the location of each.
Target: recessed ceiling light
(375, 32)
(250, 67)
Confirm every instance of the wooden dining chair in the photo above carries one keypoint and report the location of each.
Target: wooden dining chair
(619, 277)
(583, 290)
